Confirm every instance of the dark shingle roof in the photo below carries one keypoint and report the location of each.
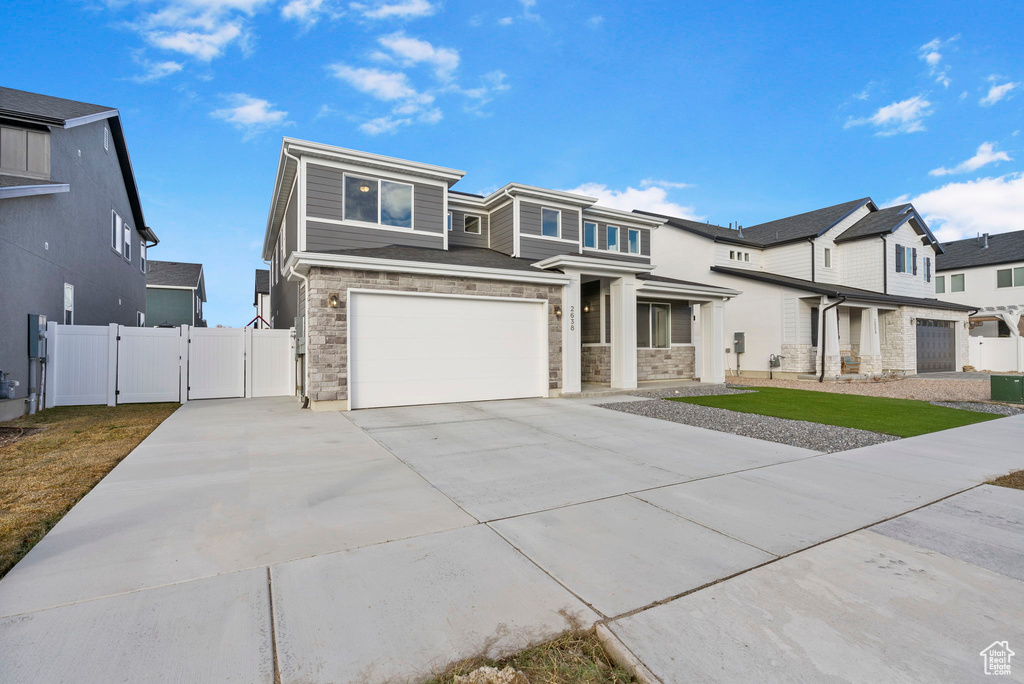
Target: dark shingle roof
(831, 290)
(708, 230)
(455, 255)
(1003, 248)
(262, 281)
(877, 223)
(20, 104)
(173, 274)
(676, 281)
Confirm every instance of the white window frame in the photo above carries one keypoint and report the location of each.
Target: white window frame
(940, 284)
(140, 319)
(585, 245)
(963, 282)
(380, 199)
(609, 231)
(142, 255)
(127, 242)
(559, 225)
(746, 256)
(67, 309)
(116, 231)
(629, 241)
(479, 224)
(650, 324)
(828, 257)
(449, 221)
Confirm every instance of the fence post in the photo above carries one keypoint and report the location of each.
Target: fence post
(50, 391)
(113, 332)
(248, 366)
(183, 349)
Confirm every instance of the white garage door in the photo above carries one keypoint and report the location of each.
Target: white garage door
(409, 349)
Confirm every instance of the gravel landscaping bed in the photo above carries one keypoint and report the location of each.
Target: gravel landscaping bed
(799, 433)
(999, 409)
(693, 391)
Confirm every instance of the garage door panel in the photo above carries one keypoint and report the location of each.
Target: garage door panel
(415, 349)
(936, 346)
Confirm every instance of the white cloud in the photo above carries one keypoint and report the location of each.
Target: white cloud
(528, 13)
(595, 21)
(154, 71)
(654, 199)
(412, 51)
(383, 85)
(899, 117)
(985, 205)
(654, 182)
(251, 115)
(201, 29)
(402, 9)
(305, 12)
(505, 21)
(383, 124)
(986, 155)
(202, 45)
(997, 93)
(930, 55)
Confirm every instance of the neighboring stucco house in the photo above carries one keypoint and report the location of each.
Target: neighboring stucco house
(986, 272)
(261, 298)
(175, 292)
(404, 291)
(851, 284)
(72, 231)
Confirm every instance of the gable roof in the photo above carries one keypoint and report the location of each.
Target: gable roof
(262, 281)
(176, 274)
(57, 112)
(1003, 248)
(832, 290)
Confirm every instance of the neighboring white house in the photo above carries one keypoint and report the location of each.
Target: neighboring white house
(986, 272)
(850, 285)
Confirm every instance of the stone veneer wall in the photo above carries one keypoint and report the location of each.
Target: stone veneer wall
(665, 364)
(799, 358)
(327, 348)
(596, 364)
(899, 346)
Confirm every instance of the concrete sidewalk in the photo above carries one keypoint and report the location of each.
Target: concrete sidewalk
(247, 536)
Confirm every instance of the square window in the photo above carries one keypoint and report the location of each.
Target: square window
(361, 199)
(940, 284)
(956, 283)
(472, 225)
(551, 223)
(634, 241)
(1018, 276)
(613, 238)
(395, 204)
(589, 234)
(1004, 277)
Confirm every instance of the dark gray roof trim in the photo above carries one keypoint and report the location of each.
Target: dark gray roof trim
(889, 220)
(1003, 248)
(839, 290)
(455, 255)
(676, 281)
(467, 194)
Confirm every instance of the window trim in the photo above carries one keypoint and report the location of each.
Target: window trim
(963, 283)
(479, 224)
(142, 255)
(116, 231)
(559, 225)
(127, 243)
(140, 319)
(828, 257)
(629, 241)
(448, 226)
(940, 284)
(608, 238)
(650, 324)
(595, 226)
(380, 199)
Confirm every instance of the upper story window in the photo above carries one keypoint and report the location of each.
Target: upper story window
(69, 304)
(24, 152)
(590, 234)
(613, 238)
(127, 241)
(116, 232)
(927, 269)
(472, 224)
(906, 259)
(739, 256)
(957, 283)
(449, 220)
(828, 257)
(386, 203)
(633, 241)
(1010, 277)
(551, 223)
(940, 284)
(142, 255)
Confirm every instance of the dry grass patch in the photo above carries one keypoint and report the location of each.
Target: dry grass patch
(576, 657)
(1013, 480)
(42, 475)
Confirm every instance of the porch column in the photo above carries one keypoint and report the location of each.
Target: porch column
(623, 342)
(696, 336)
(571, 341)
(870, 342)
(833, 364)
(712, 325)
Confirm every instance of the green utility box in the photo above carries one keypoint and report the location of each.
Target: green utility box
(1008, 388)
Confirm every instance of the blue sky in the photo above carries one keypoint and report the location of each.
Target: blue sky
(734, 112)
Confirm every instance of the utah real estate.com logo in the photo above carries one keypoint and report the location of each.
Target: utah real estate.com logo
(997, 658)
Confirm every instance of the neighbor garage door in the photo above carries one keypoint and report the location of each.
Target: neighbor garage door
(936, 346)
(423, 349)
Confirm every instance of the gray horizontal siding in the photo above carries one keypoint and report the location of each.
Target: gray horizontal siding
(325, 189)
(291, 226)
(502, 229)
(321, 237)
(602, 242)
(458, 234)
(539, 248)
(529, 221)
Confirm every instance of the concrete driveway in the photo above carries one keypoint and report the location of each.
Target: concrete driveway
(245, 537)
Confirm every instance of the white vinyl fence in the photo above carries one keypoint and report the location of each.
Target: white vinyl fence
(997, 354)
(114, 364)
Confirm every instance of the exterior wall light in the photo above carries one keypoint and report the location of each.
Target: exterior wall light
(558, 311)
(586, 308)
(333, 300)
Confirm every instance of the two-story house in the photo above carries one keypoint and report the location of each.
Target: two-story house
(843, 289)
(175, 293)
(73, 239)
(987, 272)
(405, 291)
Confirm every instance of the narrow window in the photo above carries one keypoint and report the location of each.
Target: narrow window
(613, 238)
(732, 255)
(590, 234)
(116, 232)
(69, 304)
(828, 258)
(1004, 278)
(746, 257)
(396, 204)
(142, 255)
(940, 284)
(1018, 276)
(361, 199)
(643, 325)
(127, 242)
(814, 326)
(899, 259)
(956, 283)
(551, 223)
(140, 319)
(449, 220)
(660, 326)
(472, 225)
(634, 241)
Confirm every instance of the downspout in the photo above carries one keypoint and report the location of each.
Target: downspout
(305, 322)
(813, 259)
(824, 329)
(885, 265)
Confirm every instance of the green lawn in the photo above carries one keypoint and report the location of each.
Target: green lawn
(900, 417)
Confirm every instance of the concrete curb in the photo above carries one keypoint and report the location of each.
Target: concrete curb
(623, 656)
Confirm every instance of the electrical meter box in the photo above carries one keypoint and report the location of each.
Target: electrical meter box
(36, 336)
(739, 342)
